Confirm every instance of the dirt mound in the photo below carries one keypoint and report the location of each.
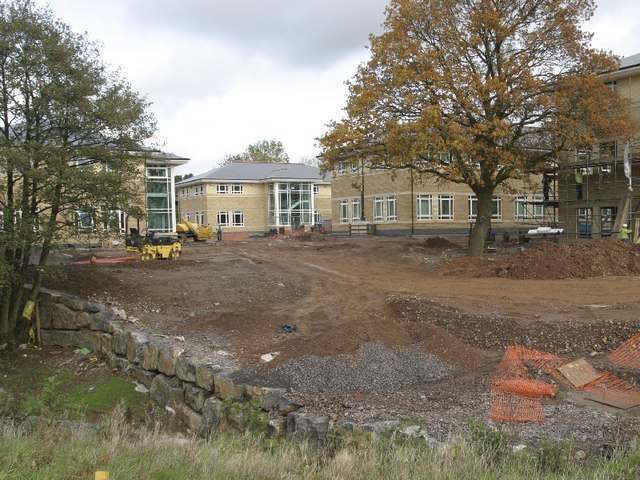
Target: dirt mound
(553, 261)
(439, 242)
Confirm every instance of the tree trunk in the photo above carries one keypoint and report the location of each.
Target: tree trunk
(483, 224)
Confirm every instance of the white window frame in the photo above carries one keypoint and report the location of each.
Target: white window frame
(316, 189)
(222, 188)
(237, 189)
(237, 219)
(428, 199)
(446, 199)
(378, 209)
(391, 207)
(223, 219)
(344, 211)
(496, 207)
(199, 218)
(356, 209)
(521, 205)
(199, 190)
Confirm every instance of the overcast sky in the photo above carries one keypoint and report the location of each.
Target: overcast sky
(223, 74)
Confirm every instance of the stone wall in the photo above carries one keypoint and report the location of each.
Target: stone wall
(199, 389)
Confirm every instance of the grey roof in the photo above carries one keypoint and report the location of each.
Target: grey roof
(631, 61)
(259, 172)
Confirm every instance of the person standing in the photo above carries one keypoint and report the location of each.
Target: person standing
(625, 233)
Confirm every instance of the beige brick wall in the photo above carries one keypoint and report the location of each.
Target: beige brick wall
(383, 184)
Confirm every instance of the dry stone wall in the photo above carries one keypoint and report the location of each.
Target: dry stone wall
(200, 391)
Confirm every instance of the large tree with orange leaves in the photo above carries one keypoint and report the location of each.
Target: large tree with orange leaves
(478, 92)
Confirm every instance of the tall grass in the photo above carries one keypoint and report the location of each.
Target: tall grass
(44, 450)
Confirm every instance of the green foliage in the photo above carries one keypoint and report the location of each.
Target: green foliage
(46, 402)
(491, 445)
(554, 457)
(71, 136)
(267, 151)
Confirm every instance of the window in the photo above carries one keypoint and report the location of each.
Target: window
(238, 219)
(378, 207)
(187, 215)
(344, 211)
(199, 189)
(200, 218)
(355, 209)
(391, 208)
(223, 219)
(424, 207)
(496, 208)
(342, 167)
(530, 207)
(84, 220)
(236, 189)
(316, 218)
(185, 192)
(445, 207)
(222, 188)
(157, 172)
(316, 189)
(584, 222)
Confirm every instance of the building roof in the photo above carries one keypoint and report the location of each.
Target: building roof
(159, 157)
(631, 61)
(259, 172)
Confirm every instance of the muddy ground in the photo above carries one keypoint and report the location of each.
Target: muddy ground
(373, 328)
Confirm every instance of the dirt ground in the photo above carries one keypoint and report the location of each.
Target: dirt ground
(332, 298)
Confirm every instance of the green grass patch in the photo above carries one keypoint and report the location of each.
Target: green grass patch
(99, 397)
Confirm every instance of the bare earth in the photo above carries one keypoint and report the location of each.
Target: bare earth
(373, 328)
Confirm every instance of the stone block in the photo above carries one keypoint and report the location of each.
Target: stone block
(60, 338)
(74, 303)
(269, 398)
(307, 428)
(106, 343)
(226, 389)
(46, 316)
(120, 339)
(99, 320)
(194, 397)
(193, 420)
(150, 355)
(88, 339)
(213, 416)
(205, 376)
(277, 427)
(186, 368)
(135, 346)
(166, 391)
(145, 377)
(64, 318)
(167, 358)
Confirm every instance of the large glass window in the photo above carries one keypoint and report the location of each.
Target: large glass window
(496, 207)
(290, 204)
(445, 207)
(378, 209)
(424, 207)
(529, 207)
(223, 219)
(584, 222)
(355, 209)
(159, 200)
(391, 208)
(344, 211)
(238, 219)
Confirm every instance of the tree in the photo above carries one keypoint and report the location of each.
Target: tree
(179, 178)
(477, 92)
(70, 145)
(269, 151)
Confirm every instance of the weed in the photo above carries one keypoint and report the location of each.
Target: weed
(491, 444)
(554, 457)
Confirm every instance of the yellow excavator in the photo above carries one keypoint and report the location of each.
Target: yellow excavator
(151, 247)
(187, 229)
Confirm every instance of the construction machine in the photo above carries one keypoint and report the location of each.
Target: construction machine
(188, 229)
(151, 246)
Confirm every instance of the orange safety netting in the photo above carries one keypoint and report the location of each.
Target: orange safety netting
(507, 407)
(610, 389)
(515, 396)
(627, 354)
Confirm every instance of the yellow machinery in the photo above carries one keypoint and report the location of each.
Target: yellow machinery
(151, 247)
(187, 229)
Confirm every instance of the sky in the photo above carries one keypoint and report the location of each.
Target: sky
(221, 75)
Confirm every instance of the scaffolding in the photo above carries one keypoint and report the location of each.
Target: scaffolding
(591, 195)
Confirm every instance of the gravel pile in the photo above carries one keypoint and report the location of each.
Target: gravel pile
(374, 367)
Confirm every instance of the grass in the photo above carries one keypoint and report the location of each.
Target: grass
(131, 439)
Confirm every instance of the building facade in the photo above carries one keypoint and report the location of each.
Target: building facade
(598, 190)
(256, 198)
(400, 204)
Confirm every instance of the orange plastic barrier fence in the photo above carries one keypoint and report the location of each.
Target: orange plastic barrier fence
(627, 354)
(507, 407)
